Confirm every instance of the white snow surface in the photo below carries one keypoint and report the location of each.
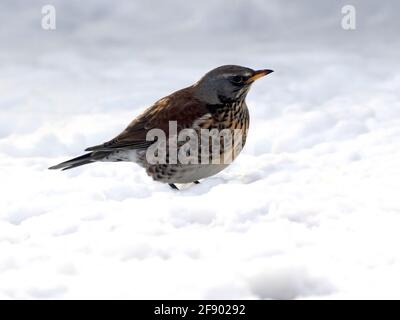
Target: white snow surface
(310, 209)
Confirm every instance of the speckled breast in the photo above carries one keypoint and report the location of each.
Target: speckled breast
(231, 119)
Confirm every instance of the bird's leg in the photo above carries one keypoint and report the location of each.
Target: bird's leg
(173, 186)
(196, 182)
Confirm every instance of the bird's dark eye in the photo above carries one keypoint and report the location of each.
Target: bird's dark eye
(237, 79)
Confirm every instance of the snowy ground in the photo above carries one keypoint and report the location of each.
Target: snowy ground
(310, 209)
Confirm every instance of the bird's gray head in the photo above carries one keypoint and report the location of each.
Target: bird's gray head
(227, 84)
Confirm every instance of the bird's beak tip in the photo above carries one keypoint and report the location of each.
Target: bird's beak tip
(263, 72)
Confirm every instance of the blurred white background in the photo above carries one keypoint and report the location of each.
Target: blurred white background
(309, 210)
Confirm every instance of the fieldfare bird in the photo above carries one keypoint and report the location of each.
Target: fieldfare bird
(215, 103)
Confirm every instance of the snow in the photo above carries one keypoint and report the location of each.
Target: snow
(310, 209)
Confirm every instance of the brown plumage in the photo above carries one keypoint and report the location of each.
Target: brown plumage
(180, 106)
(217, 101)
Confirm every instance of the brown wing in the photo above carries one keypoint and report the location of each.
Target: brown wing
(180, 106)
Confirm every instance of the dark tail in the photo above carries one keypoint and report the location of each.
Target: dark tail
(76, 162)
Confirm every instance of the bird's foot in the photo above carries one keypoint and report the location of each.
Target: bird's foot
(173, 186)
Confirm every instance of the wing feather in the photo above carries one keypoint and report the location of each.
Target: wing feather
(180, 106)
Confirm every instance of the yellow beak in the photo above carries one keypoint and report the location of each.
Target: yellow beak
(258, 74)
